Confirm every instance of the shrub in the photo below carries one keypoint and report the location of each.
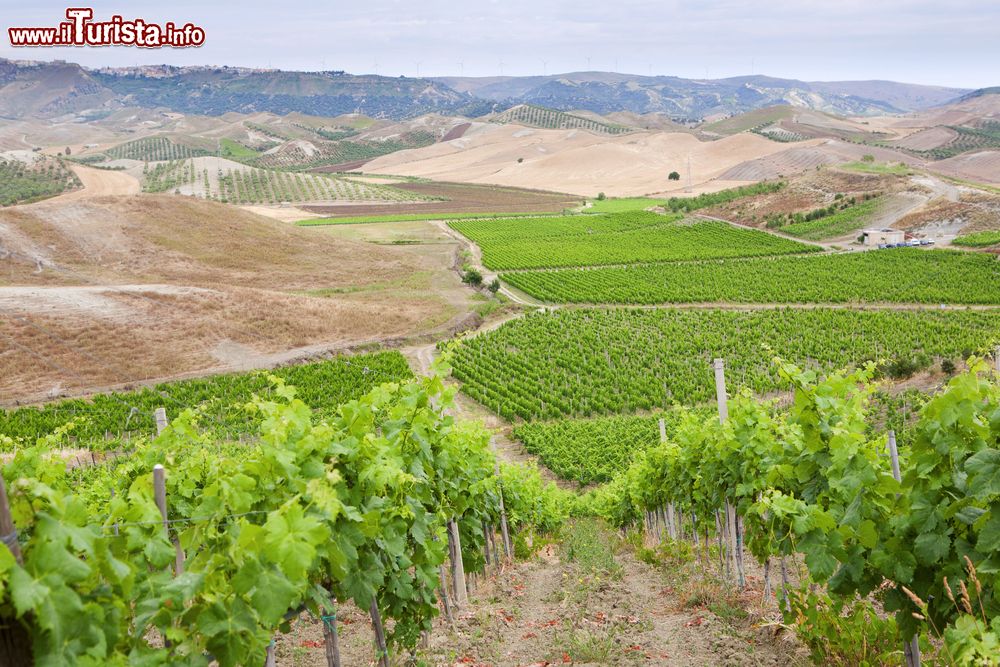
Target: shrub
(495, 285)
(472, 277)
(674, 176)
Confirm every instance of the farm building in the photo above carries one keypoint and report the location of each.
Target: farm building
(883, 236)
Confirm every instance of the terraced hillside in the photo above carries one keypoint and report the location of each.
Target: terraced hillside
(232, 182)
(154, 149)
(536, 116)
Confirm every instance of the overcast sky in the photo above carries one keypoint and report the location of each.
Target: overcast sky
(947, 42)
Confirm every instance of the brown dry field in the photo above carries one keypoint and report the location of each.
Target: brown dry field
(461, 198)
(980, 167)
(576, 161)
(103, 291)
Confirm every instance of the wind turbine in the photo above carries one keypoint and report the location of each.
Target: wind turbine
(545, 67)
(588, 63)
(376, 68)
(461, 67)
(418, 69)
(501, 68)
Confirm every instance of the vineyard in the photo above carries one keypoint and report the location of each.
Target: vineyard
(249, 185)
(904, 275)
(840, 223)
(154, 149)
(550, 119)
(21, 183)
(914, 529)
(621, 205)
(616, 238)
(585, 362)
(978, 239)
(322, 153)
(102, 421)
(777, 133)
(591, 450)
(596, 450)
(194, 550)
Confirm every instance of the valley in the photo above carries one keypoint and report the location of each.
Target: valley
(650, 334)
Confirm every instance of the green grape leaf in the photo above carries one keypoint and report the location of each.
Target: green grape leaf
(931, 547)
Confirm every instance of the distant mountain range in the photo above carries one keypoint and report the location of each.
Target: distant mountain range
(57, 89)
(606, 92)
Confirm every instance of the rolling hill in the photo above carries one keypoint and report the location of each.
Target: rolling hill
(48, 90)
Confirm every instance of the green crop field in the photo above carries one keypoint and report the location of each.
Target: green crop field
(233, 150)
(321, 385)
(898, 169)
(21, 183)
(592, 450)
(838, 224)
(587, 362)
(416, 217)
(595, 450)
(615, 238)
(979, 239)
(620, 205)
(154, 149)
(904, 275)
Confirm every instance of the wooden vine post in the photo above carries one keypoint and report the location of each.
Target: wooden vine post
(160, 496)
(160, 415)
(330, 636)
(443, 593)
(15, 640)
(911, 647)
(457, 566)
(380, 647)
(508, 550)
(731, 521)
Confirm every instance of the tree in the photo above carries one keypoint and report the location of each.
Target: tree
(472, 277)
(601, 196)
(674, 176)
(68, 151)
(494, 285)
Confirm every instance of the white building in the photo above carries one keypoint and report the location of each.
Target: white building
(883, 236)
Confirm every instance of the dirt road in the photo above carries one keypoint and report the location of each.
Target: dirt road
(100, 183)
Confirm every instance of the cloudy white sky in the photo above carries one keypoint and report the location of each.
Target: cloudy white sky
(947, 42)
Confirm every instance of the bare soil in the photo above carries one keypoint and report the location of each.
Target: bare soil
(577, 161)
(461, 198)
(553, 610)
(105, 291)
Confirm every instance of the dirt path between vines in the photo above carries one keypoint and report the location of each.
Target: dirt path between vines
(552, 610)
(421, 357)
